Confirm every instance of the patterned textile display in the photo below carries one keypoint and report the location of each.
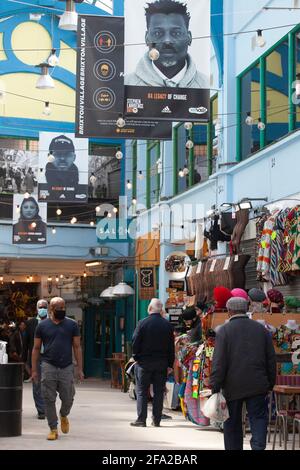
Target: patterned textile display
(264, 253)
(290, 259)
(278, 278)
(288, 341)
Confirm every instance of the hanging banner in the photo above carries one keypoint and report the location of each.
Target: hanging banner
(172, 82)
(18, 171)
(29, 221)
(63, 168)
(100, 83)
(147, 283)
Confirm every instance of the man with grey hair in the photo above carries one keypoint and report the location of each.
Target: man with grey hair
(59, 335)
(31, 325)
(153, 350)
(244, 368)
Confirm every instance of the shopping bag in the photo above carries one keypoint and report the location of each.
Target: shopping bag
(216, 408)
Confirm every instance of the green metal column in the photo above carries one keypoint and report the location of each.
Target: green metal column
(134, 168)
(209, 130)
(292, 78)
(175, 160)
(148, 176)
(158, 148)
(191, 159)
(263, 102)
(239, 118)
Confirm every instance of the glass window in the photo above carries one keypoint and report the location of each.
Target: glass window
(200, 163)
(104, 173)
(277, 93)
(250, 103)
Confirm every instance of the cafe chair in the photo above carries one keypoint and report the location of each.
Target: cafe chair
(296, 421)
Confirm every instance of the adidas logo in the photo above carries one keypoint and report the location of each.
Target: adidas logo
(166, 110)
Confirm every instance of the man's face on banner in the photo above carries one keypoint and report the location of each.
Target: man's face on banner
(171, 37)
(63, 160)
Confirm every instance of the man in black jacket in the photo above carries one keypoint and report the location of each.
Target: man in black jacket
(244, 367)
(153, 349)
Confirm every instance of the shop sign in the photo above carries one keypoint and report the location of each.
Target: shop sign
(147, 283)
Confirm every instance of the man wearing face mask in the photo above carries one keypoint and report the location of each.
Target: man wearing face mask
(42, 314)
(168, 32)
(59, 336)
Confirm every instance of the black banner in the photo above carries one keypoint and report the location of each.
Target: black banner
(100, 84)
(162, 103)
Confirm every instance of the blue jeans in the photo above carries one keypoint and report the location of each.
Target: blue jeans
(257, 409)
(37, 393)
(144, 378)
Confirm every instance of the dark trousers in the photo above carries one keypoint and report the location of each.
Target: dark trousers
(257, 409)
(145, 376)
(37, 392)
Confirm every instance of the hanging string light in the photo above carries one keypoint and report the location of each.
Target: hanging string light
(140, 175)
(261, 125)
(61, 276)
(33, 225)
(73, 220)
(185, 170)
(47, 109)
(68, 20)
(53, 230)
(109, 215)
(249, 119)
(134, 201)
(27, 279)
(56, 278)
(44, 81)
(129, 184)
(58, 211)
(1, 278)
(18, 209)
(26, 195)
(49, 279)
(260, 40)
(84, 274)
(13, 281)
(115, 210)
(119, 154)
(31, 278)
(92, 223)
(121, 121)
(180, 173)
(153, 53)
(53, 60)
(188, 126)
(189, 144)
(98, 209)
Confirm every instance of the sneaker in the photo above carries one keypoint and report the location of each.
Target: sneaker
(163, 416)
(41, 416)
(140, 424)
(155, 424)
(53, 435)
(64, 424)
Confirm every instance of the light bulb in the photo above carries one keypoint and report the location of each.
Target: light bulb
(98, 209)
(129, 185)
(18, 209)
(153, 53)
(188, 126)
(260, 40)
(180, 173)
(121, 121)
(53, 59)
(26, 195)
(56, 279)
(31, 278)
(134, 201)
(73, 220)
(54, 230)
(84, 274)
(58, 211)
(47, 109)
(92, 223)
(115, 210)
(27, 279)
(185, 171)
(189, 144)
(261, 125)
(50, 157)
(119, 155)
(49, 279)
(140, 175)
(1, 278)
(249, 119)
(61, 276)
(33, 225)
(13, 281)
(109, 215)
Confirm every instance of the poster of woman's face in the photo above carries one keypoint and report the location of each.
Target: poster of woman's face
(63, 168)
(29, 220)
(18, 171)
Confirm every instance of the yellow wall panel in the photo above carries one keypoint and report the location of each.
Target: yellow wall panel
(67, 57)
(274, 64)
(24, 84)
(31, 35)
(2, 53)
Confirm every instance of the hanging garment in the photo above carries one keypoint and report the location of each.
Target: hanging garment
(214, 234)
(264, 254)
(278, 278)
(242, 219)
(199, 240)
(227, 223)
(290, 261)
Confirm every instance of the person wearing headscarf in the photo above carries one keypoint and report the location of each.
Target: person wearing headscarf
(30, 227)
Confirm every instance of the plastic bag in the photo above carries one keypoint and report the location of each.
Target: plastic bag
(216, 408)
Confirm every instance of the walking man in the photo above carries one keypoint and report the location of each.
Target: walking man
(42, 314)
(244, 367)
(58, 335)
(153, 349)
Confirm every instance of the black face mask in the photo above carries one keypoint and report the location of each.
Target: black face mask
(59, 314)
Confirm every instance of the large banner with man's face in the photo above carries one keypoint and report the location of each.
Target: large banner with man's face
(167, 76)
(100, 83)
(63, 168)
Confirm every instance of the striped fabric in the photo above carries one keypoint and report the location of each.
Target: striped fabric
(278, 278)
(264, 253)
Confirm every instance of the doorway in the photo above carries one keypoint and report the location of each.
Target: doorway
(99, 340)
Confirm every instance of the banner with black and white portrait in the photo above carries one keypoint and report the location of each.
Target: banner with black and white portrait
(29, 220)
(100, 83)
(63, 168)
(18, 171)
(167, 59)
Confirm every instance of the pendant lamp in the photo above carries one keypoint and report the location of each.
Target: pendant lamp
(123, 290)
(44, 81)
(68, 20)
(107, 293)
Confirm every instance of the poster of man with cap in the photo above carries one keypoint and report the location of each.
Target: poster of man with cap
(63, 168)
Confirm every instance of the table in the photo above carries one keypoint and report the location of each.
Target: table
(284, 395)
(117, 365)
